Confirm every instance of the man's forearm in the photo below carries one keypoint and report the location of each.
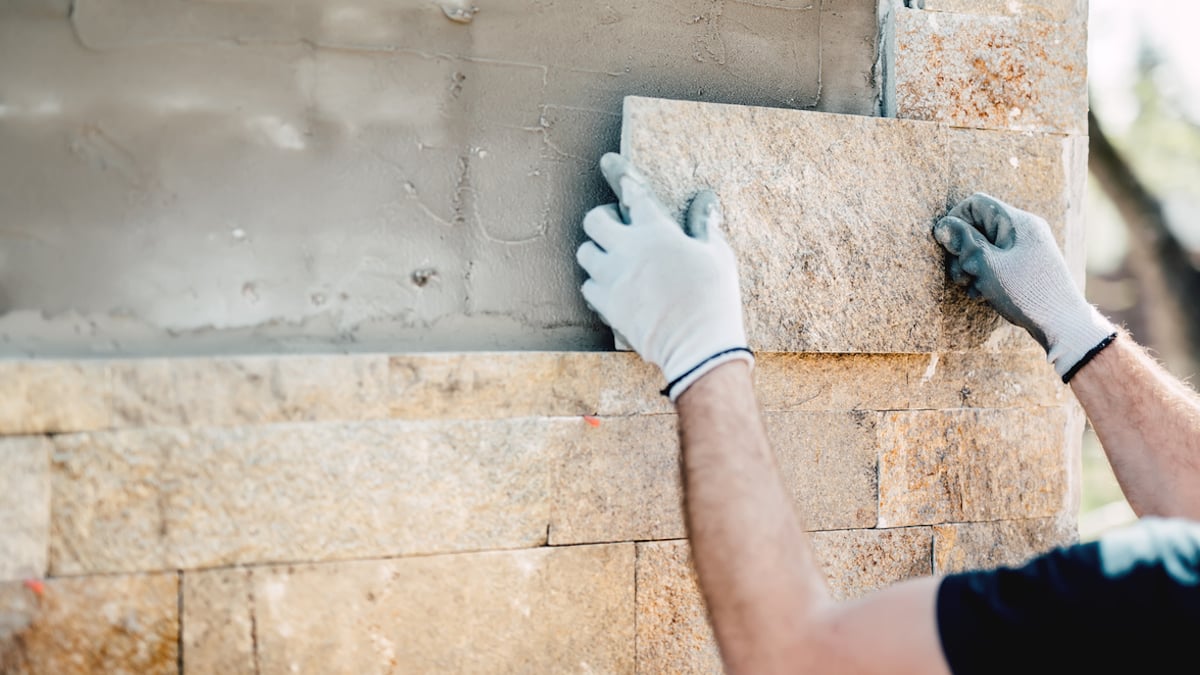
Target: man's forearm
(757, 572)
(1149, 424)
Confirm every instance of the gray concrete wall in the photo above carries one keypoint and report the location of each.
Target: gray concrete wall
(195, 176)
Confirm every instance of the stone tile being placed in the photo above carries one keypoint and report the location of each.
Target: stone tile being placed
(53, 396)
(944, 466)
(106, 624)
(621, 481)
(991, 72)
(530, 611)
(674, 634)
(24, 506)
(830, 217)
(179, 499)
(960, 547)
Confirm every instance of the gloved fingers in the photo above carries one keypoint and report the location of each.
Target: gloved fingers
(703, 216)
(973, 292)
(596, 296)
(957, 275)
(604, 226)
(973, 263)
(958, 237)
(637, 201)
(595, 262)
(989, 215)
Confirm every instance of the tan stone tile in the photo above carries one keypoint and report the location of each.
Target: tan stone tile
(621, 481)
(942, 466)
(958, 547)
(52, 396)
(228, 391)
(520, 384)
(794, 187)
(530, 611)
(991, 72)
(673, 631)
(172, 498)
(988, 380)
(857, 562)
(78, 626)
(24, 506)
(1043, 10)
(218, 625)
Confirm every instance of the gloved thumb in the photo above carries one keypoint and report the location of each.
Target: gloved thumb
(703, 216)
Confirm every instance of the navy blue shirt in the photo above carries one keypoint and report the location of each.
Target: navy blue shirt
(1127, 603)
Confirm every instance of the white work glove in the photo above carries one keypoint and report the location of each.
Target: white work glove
(1009, 258)
(671, 293)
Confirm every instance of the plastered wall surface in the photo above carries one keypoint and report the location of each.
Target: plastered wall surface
(201, 176)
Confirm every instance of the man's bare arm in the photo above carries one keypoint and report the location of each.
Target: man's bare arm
(1149, 424)
(766, 594)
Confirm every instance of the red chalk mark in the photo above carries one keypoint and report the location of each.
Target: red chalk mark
(36, 586)
(594, 421)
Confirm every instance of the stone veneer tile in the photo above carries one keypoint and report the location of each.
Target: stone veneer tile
(218, 622)
(106, 624)
(959, 547)
(522, 384)
(1044, 10)
(941, 466)
(991, 72)
(52, 396)
(24, 506)
(230, 391)
(176, 498)
(621, 480)
(530, 611)
(673, 631)
(793, 186)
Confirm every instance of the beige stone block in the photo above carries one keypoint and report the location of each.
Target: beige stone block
(959, 547)
(218, 622)
(824, 268)
(522, 384)
(181, 499)
(674, 633)
(52, 396)
(544, 610)
(1042, 10)
(106, 624)
(229, 391)
(991, 72)
(621, 481)
(24, 506)
(793, 188)
(857, 562)
(942, 466)
(988, 380)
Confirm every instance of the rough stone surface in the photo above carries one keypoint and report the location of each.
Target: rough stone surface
(171, 498)
(223, 391)
(81, 626)
(621, 481)
(560, 610)
(218, 622)
(52, 396)
(794, 186)
(522, 384)
(1045, 10)
(674, 634)
(960, 547)
(24, 506)
(991, 72)
(942, 466)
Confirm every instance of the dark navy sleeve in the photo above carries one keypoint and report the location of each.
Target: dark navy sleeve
(1128, 603)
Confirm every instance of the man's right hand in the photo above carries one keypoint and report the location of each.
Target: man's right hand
(1009, 258)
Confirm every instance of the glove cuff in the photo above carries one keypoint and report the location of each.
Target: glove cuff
(680, 384)
(1081, 340)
